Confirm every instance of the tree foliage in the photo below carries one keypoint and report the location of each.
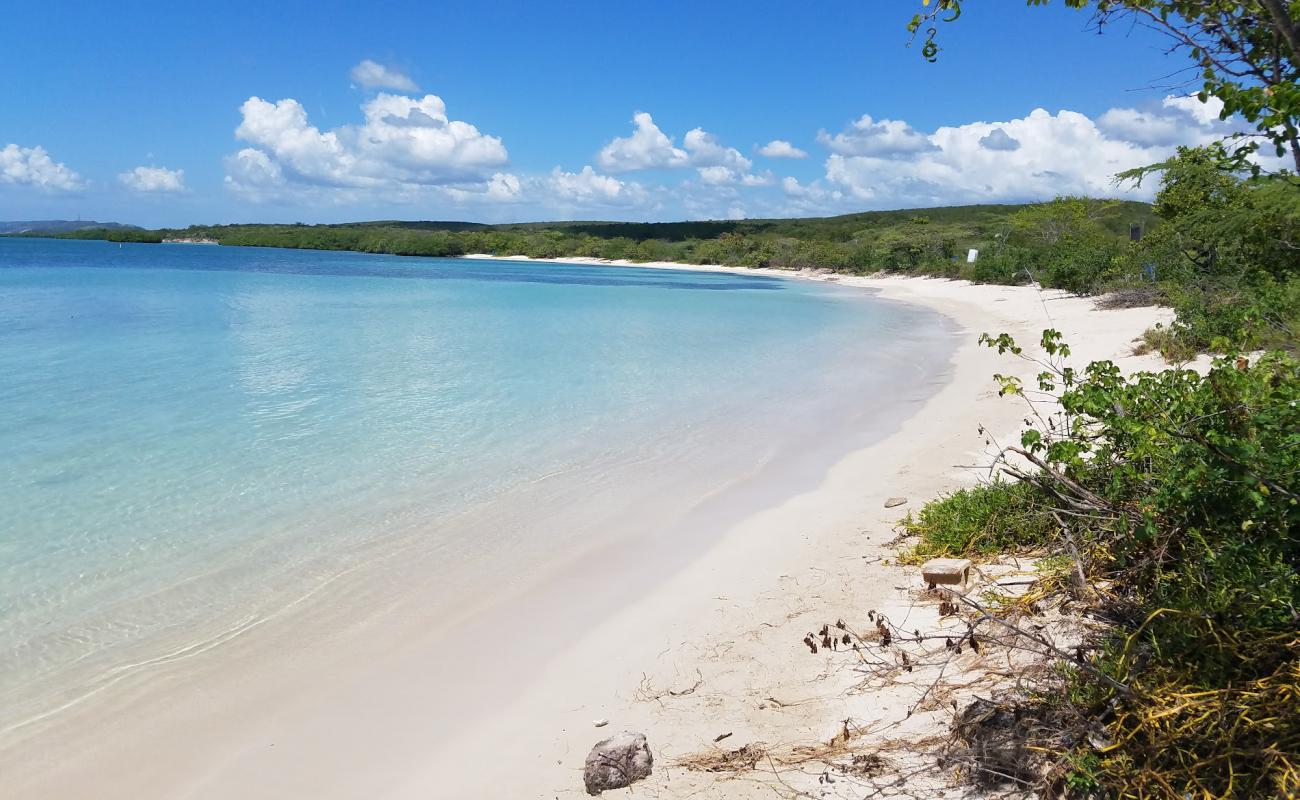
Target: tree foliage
(933, 241)
(1227, 254)
(1176, 497)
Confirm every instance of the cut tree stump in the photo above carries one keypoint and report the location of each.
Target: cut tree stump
(946, 571)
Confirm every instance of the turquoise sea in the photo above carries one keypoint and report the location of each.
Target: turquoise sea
(196, 438)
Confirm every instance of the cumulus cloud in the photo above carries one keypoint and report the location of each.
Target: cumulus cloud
(252, 170)
(889, 164)
(716, 176)
(650, 148)
(584, 189)
(647, 148)
(868, 137)
(812, 191)
(503, 186)
(1206, 113)
(1130, 124)
(373, 75)
(779, 148)
(587, 185)
(32, 166)
(404, 142)
(1062, 153)
(998, 139)
(153, 179)
(723, 164)
(407, 150)
(1175, 120)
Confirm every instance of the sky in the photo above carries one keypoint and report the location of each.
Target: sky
(187, 113)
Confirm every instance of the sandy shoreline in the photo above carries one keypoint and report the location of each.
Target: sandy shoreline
(728, 630)
(723, 634)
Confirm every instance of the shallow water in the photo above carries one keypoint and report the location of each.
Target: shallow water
(197, 438)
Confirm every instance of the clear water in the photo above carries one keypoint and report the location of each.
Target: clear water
(195, 438)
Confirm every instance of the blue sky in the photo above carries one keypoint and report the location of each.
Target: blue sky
(145, 112)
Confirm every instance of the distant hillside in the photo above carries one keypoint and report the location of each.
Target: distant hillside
(1081, 239)
(1114, 215)
(62, 226)
(422, 225)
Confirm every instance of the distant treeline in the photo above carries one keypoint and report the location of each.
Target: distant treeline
(1070, 242)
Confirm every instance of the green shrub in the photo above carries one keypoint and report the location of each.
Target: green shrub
(992, 518)
(1259, 315)
(1183, 493)
(1007, 266)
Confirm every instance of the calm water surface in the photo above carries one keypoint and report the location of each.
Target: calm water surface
(195, 438)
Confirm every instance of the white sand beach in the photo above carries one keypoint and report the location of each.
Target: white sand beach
(715, 648)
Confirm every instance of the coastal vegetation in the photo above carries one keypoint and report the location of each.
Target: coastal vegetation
(1165, 504)
(1060, 237)
(1174, 496)
(990, 519)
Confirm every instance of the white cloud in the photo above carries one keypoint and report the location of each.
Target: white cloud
(716, 175)
(714, 162)
(1176, 120)
(779, 148)
(867, 137)
(647, 148)
(812, 191)
(373, 75)
(1206, 113)
(154, 179)
(416, 135)
(251, 169)
(585, 188)
(405, 142)
(706, 151)
(503, 186)
(1148, 128)
(650, 148)
(1062, 153)
(586, 185)
(406, 150)
(32, 166)
(890, 164)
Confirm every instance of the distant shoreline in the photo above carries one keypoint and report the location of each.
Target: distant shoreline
(190, 240)
(811, 274)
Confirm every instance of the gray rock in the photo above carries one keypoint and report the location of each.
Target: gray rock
(895, 501)
(618, 761)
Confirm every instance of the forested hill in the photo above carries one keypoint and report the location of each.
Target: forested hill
(59, 226)
(931, 240)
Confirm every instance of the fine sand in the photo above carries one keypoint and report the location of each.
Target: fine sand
(715, 648)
